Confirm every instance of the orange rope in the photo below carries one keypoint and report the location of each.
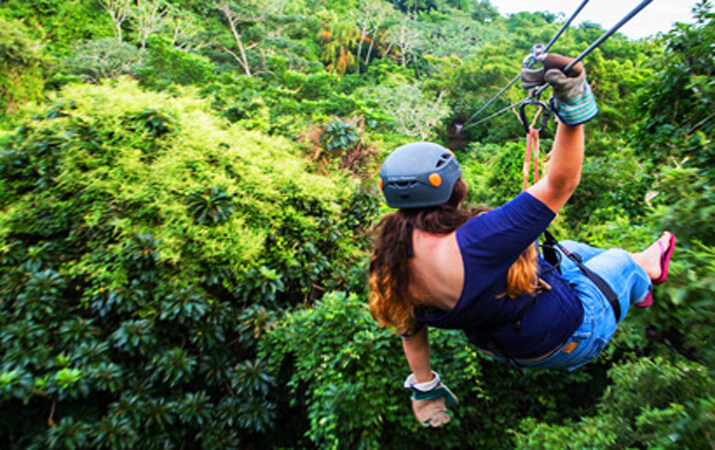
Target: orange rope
(532, 145)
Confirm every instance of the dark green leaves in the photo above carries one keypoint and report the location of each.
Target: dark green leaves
(339, 136)
(156, 123)
(211, 206)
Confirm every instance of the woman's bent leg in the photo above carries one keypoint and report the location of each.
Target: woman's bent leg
(627, 279)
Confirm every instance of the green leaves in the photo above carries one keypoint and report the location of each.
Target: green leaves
(195, 408)
(184, 306)
(67, 377)
(339, 136)
(174, 366)
(134, 335)
(211, 206)
(250, 378)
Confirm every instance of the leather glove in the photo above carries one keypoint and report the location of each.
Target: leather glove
(430, 399)
(573, 101)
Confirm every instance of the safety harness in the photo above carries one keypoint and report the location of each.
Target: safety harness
(552, 257)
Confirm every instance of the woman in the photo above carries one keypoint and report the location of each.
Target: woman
(435, 264)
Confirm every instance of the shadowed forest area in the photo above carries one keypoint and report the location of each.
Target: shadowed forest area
(187, 190)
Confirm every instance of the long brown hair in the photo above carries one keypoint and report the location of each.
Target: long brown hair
(389, 276)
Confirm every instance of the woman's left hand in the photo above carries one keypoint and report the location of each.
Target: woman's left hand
(431, 413)
(430, 399)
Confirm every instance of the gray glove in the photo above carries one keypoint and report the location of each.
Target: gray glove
(573, 100)
(565, 87)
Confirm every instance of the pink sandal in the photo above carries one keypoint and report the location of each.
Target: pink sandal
(665, 258)
(665, 255)
(646, 302)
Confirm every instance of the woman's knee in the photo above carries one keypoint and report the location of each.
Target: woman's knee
(626, 278)
(614, 262)
(619, 253)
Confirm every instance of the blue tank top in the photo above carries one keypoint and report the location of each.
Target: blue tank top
(490, 244)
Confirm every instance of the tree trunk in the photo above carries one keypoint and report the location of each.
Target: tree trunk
(243, 61)
(363, 33)
(369, 49)
(246, 68)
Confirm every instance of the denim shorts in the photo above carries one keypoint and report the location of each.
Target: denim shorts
(628, 280)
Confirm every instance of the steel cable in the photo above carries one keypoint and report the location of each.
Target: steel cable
(516, 78)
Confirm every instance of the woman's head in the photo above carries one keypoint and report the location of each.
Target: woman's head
(424, 181)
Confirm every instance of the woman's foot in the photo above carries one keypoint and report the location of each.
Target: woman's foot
(655, 261)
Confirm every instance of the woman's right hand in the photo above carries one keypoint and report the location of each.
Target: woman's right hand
(573, 101)
(566, 86)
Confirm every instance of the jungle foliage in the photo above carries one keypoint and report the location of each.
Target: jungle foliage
(187, 190)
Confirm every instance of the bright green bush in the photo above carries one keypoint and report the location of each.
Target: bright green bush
(129, 310)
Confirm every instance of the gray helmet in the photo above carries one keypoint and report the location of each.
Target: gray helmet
(419, 175)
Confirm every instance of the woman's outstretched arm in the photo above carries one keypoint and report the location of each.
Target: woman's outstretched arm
(564, 168)
(573, 103)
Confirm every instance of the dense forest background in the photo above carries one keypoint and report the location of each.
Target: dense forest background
(186, 195)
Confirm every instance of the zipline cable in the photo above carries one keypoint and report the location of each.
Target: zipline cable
(504, 89)
(516, 78)
(565, 25)
(599, 41)
(501, 111)
(537, 92)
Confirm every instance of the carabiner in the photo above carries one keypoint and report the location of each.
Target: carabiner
(536, 55)
(544, 114)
